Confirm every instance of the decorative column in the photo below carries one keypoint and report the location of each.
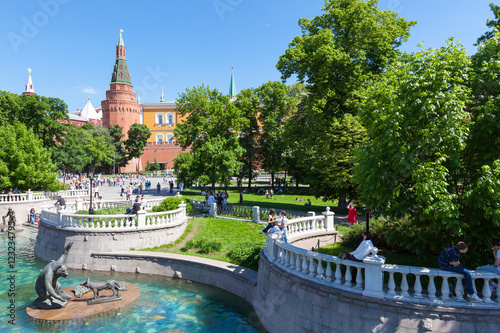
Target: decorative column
(30, 195)
(213, 210)
(141, 219)
(256, 214)
(329, 219)
(374, 279)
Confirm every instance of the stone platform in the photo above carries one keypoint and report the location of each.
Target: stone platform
(77, 308)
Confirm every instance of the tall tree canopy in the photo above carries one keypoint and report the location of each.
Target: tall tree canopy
(211, 132)
(24, 162)
(338, 55)
(417, 121)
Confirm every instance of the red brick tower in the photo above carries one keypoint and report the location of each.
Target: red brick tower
(120, 106)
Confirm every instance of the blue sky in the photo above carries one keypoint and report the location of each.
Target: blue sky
(70, 44)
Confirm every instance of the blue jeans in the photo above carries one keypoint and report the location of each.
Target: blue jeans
(488, 268)
(284, 235)
(269, 226)
(465, 272)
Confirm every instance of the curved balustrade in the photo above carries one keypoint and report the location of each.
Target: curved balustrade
(141, 220)
(307, 224)
(31, 196)
(415, 284)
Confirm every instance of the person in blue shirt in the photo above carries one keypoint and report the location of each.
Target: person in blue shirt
(449, 260)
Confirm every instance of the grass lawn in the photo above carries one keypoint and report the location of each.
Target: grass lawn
(284, 201)
(229, 233)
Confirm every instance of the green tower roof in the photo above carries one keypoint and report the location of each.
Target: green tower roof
(120, 71)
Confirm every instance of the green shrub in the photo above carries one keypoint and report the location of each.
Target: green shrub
(354, 235)
(203, 245)
(172, 203)
(246, 254)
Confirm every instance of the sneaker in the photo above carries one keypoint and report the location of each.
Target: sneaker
(474, 298)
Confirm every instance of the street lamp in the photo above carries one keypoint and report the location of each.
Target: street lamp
(91, 177)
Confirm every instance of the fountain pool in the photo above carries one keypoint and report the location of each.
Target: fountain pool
(165, 305)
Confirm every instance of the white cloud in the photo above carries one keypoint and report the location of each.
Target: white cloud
(89, 90)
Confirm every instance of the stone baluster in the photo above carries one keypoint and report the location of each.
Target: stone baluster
(292, 260)
(417, 287)
(404, 284)
(392, 284)
(486, 291)
(459, 289)
(319, 270)
(287, 258)
(445, 289)
(312, 266)
(359, 278)
(298, 263)
(304, 265)
(312, 214)
(328, 272)
(338, 274)
(431, 288)
(348, 276)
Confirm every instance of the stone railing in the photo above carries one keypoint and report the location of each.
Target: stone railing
(81, 204)
(142, 220)
(32, 196)
(369, 277)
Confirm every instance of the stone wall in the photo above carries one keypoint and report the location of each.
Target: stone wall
(22, 208)
(288, 303)
(51, 240)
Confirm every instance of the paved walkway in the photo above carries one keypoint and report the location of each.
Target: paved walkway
(113, 192)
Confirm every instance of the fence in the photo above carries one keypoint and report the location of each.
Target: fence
(31, 196)
(142, 220)
(370, 274)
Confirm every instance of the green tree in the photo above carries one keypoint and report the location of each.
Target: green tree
(248, 104)
(137, 139)
(24, 162)
(116, 133)
(338, 55)
(45, 116)
(416, 118)
(211, 132)
(493, 24)
(277, 103)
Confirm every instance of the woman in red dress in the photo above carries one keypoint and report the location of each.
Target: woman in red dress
(351, 217)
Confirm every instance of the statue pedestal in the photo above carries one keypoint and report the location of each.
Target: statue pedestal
(77, 308)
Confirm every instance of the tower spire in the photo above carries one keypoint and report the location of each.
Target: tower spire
(120, 72)
(162, 98)
(29, 90)
(232, 86)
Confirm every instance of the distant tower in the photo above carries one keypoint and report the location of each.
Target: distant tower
(29, 90)
(232, 87)
(120, 106)
(162, 98)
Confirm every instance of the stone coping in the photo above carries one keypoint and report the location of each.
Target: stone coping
(240, 271)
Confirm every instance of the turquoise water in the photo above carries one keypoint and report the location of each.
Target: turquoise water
(165, 304)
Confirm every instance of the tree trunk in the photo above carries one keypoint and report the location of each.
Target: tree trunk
(272, 179)
(249, 179)
(342, 201)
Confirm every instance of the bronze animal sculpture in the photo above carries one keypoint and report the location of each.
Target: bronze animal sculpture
(106, 285)
(50, 295)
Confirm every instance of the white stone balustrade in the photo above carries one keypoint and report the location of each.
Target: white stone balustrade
(31, 196)
(142, 220)
(405, 283)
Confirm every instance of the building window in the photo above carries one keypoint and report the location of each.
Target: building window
(170, 118)
(159, 137)
(170, 138)
(159, 118)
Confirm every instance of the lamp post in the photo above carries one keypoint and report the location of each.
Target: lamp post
(91, 177)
